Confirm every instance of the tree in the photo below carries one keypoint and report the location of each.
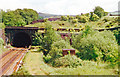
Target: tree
(99, 11)
(8, 18)
(19, 17)
(1, 15)
(19, 21)
(47, 39)
(28, 14)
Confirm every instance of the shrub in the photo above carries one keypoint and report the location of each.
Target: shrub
(46, 19)
(36, 41)
(75, 25)
(47, 58)
(74, 20)
(71, 17)
(94, 44)
(67, 61)
(94, 17)
(117, 35)
(56, 50)
(83, 19)
(64, 18)
(62, 44)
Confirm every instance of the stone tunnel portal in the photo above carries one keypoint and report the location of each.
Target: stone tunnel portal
(21, 39)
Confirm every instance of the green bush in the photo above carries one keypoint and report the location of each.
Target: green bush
(94, 45)
(36, 39)
(74, 20)
(71, 17)
(94, 17)
(117, 35)
(67, 61)
(83, 19)
(48, 39)
(62, 44)
(64, 18)
(46, 19)
(47, 58)
(56, 50)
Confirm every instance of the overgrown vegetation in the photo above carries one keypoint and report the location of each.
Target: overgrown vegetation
(34, 65)
(91, 45)
(100, 11)
(67, 61)
(97, 46)
(2, 26)
(19, 17)
(47, 39)
(1, 45)
(96, 52)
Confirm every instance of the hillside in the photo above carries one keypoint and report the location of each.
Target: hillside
(45, 15)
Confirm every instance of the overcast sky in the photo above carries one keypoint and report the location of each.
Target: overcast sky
(63, 7)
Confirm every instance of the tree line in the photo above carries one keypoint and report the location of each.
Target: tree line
(97, 13)
(19, 17)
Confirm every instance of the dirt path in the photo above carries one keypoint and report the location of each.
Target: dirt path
(35, 65)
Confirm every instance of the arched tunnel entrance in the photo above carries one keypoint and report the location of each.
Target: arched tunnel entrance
(21, 39)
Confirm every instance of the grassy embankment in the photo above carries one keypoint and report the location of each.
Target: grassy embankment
(104, 22)
(34, 65)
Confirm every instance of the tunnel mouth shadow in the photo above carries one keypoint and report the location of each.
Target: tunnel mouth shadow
(21, 39)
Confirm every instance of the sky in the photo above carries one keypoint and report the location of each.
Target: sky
(60, 7)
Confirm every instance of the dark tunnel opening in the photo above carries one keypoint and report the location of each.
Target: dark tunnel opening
(21, 39)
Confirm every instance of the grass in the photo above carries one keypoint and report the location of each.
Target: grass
(34, 61)
(2, 26)
(2, 49)
(34, 65)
